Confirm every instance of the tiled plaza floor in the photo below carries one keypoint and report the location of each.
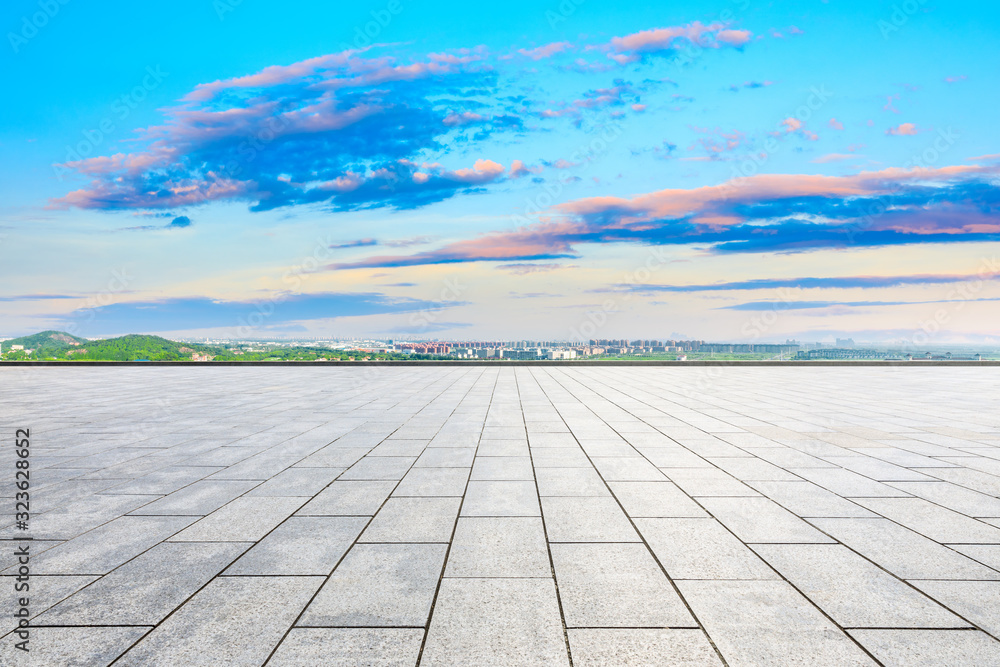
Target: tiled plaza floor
(507, 516)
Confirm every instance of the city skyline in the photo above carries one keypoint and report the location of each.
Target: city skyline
(559, 171)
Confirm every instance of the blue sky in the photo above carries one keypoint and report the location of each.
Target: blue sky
(517, 170)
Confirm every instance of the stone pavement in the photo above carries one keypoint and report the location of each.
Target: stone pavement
(484, 515)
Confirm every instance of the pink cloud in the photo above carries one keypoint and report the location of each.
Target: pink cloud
(519, 169)
(835, 157)
(721, 213)
(464, 118)
(483, 171)
(638, 108)
(792, 124)
(904, 129)
(545, 51)
(955, 79)
(631, 47)
(836, 124)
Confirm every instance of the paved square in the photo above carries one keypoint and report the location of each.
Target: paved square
(483, 515)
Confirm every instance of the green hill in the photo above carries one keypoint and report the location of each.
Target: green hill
(47, 343)
(60, 346)
(134, 347)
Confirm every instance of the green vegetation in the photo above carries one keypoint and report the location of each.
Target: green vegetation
(60, 346)
(47, 343)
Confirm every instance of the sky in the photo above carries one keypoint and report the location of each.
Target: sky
(737, 170)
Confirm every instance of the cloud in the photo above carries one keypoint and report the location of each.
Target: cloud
(360, 243)
(836, 124)
(524, 269)
(835, 157)
(840, 282)
(955, 79)
(342, 129)
(179, 222)
(904, 129)
(464, 118)
(519, 169)
(792, 124)
(181, 314)
(546, 51)
(763, 213)
(808, 305)
(661, 41)
(750, 84)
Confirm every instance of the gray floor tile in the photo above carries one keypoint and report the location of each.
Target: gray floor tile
(302, 545)
(379, 468)
(901, 551)
(806, 499)
(598, 647)
(768, 623)
(413, 520)
(977, 601)
(66, 647)
(379, 585)
(586, 519)
(701, 549)
(499, 547)
(297, 482)
(654, 499)
(936, 522)
(349, 647)
(147, 588)
(105, 548)
(707, 482)
(198, 499)
(501, 499)
(570, 482)
(433, 482)
(854, 592)
(496, 622)
(348, 499)
(245, 519)
(615, 585)
(251, 613)
(761, 520)
(502, 468)
(930, 648)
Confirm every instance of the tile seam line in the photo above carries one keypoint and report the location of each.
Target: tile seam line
(642, 538)
(541, 514)
(837, 542)
(458, 515)
(190, 597)
(676, 588)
